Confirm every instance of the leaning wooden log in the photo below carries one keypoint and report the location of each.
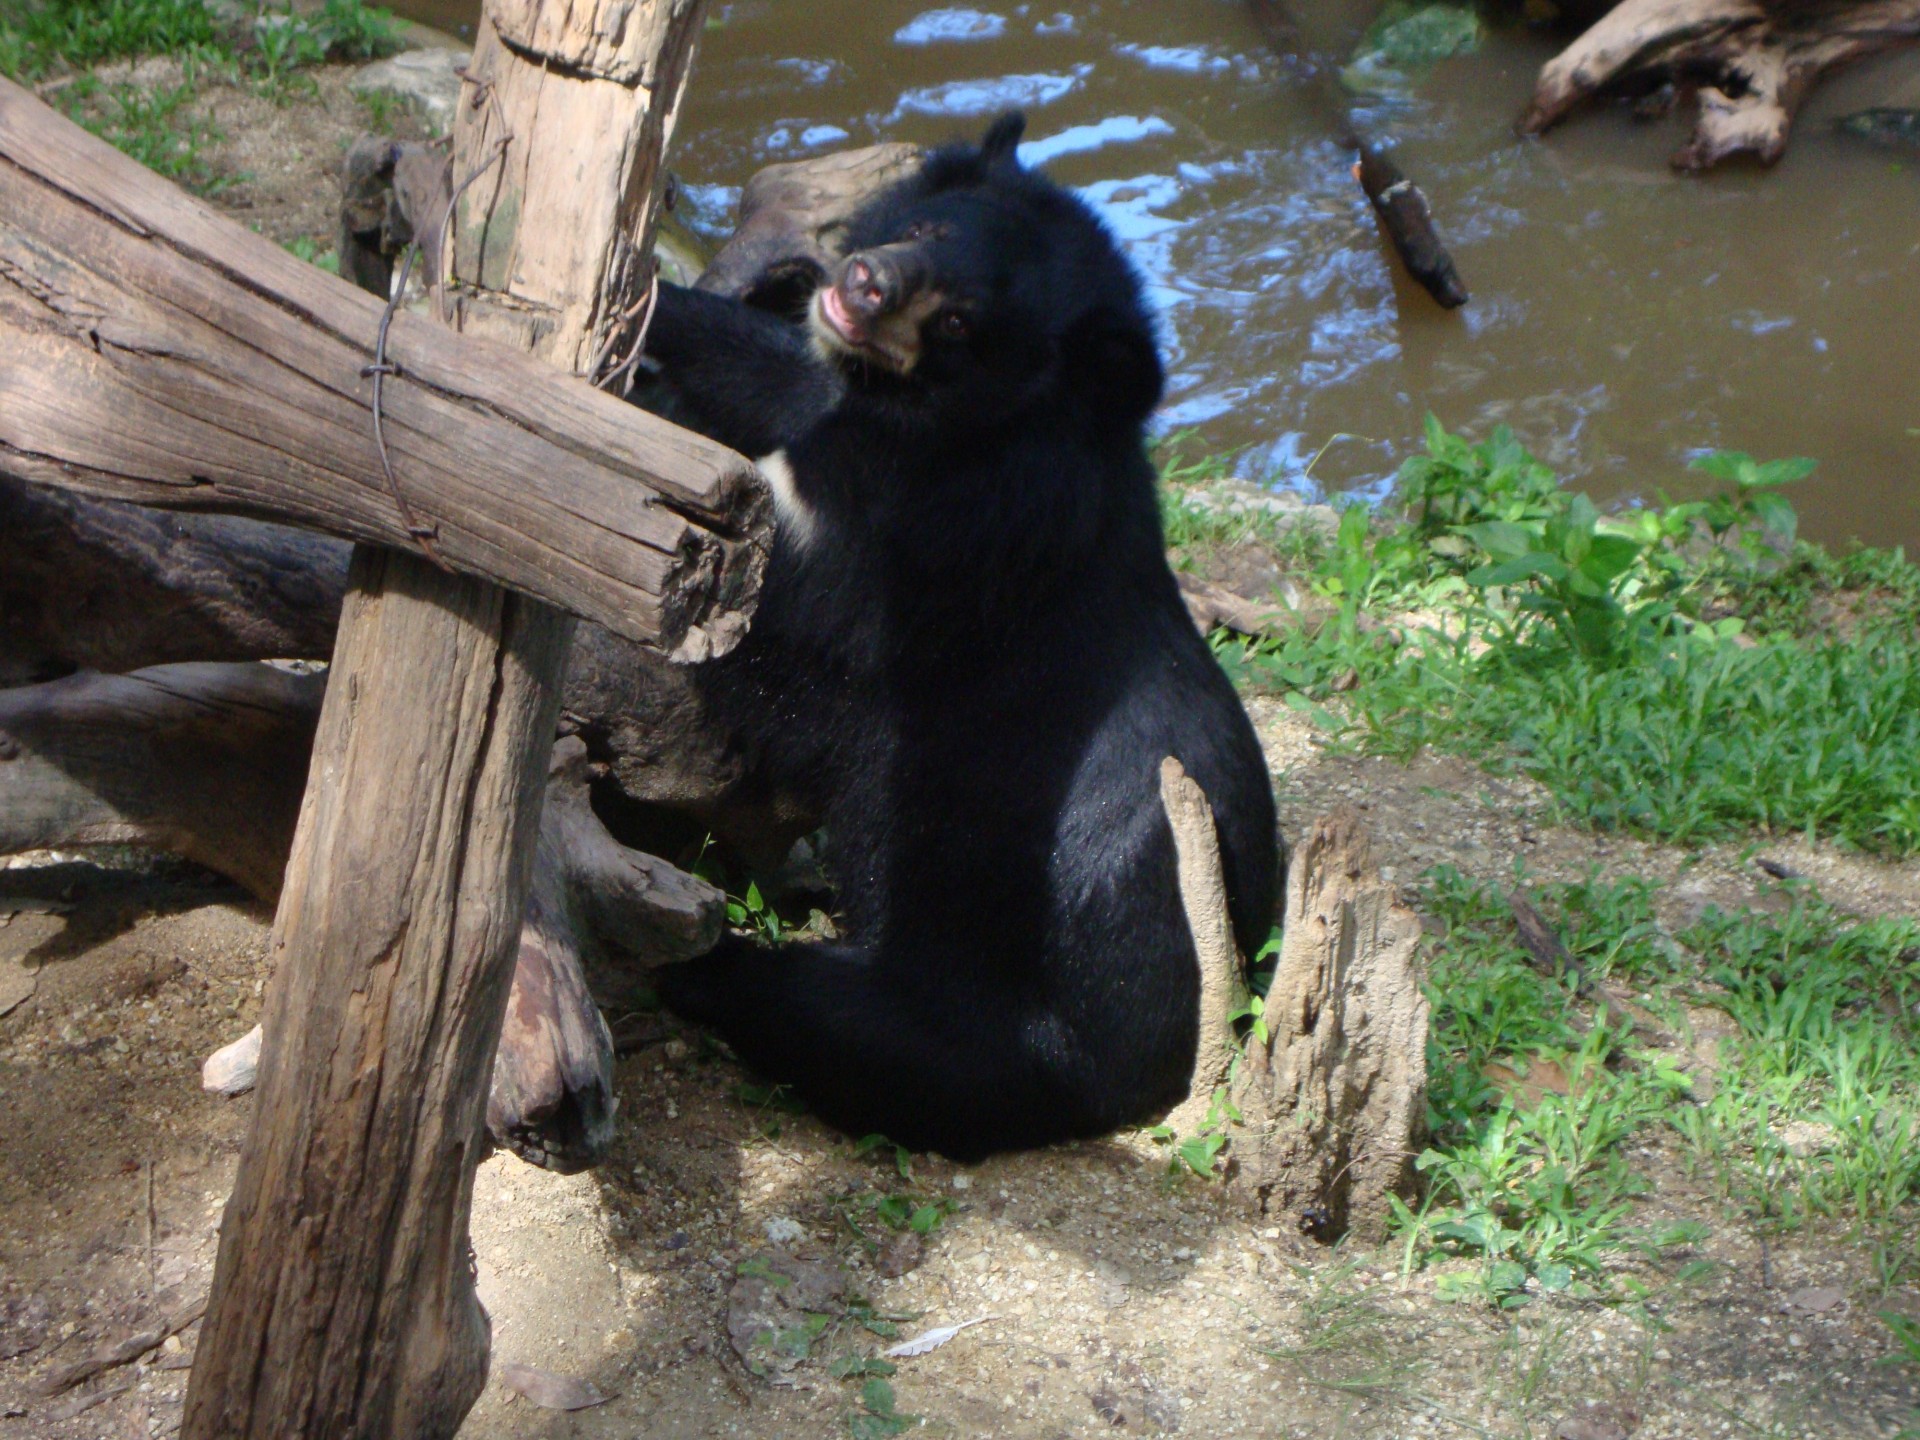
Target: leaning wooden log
(1325, 1110)
(1751, 63)
(151, 350)
(157, 352)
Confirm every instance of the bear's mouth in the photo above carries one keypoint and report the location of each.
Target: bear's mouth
(839, 336)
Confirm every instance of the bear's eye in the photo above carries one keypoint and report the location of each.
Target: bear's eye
(918, 230)
(952, 325)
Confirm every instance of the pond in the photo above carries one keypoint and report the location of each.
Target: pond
(1623, 319)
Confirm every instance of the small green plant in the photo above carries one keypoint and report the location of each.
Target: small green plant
(751, 912)
(1458, 483)
(878, 1418)
(859, 1367)
(1199, 1153)
(304, 247)
(156, 127)
(355, 30)
(914, 1214)
(1572, 573)
(43, 37)
(878, 1144)
(284, 42)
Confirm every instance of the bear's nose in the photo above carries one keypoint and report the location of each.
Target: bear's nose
(871, 285)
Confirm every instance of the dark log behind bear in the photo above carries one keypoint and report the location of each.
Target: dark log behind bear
(971, 656)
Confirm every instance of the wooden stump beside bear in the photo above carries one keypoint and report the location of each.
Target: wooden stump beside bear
(1332, 1103)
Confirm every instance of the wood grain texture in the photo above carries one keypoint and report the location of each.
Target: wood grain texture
(587, 142)
(1336, 1101)
(151, 350)
(343, 1303)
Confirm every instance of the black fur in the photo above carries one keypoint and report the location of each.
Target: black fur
(973, 664)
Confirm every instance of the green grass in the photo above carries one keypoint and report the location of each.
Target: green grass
(160, 126)
(157, 127)
(41, 37)
(1810, 1116)
(1674, 670)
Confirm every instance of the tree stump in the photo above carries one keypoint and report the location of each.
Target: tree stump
(1332, 1103)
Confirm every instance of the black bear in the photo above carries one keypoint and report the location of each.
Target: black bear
(971, 656)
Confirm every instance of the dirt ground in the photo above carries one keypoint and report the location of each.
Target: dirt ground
(1109, 1296)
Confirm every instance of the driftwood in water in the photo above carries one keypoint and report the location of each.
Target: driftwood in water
(1399, 204)
(1333, 1101)
(1750, 62)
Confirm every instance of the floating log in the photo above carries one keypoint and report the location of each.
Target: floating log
(1399, 204)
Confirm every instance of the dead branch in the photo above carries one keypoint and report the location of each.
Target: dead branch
(1751, 63)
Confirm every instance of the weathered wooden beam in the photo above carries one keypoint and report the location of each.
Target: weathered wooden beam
(589, 91)
(343, 1301)
(152, 350)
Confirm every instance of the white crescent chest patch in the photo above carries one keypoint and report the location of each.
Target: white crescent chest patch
(794, 517)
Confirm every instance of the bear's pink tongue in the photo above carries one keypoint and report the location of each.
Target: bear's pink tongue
(838, 317)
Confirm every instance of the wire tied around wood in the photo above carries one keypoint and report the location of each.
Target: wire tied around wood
(425, 534)
(638, 315)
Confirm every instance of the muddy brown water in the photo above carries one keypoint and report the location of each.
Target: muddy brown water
(1623, 318)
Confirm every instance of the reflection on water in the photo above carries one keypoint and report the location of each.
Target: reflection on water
(1623, 318)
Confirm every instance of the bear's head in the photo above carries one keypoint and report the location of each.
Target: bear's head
(982, 291)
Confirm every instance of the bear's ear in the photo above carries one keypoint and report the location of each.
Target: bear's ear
(1000, 145)
(1115, 364)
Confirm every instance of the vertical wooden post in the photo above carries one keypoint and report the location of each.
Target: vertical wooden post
(343, 1301)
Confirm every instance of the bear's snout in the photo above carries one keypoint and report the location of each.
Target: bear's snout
(873, 285)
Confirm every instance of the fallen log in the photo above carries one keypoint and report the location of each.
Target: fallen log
(97, 585)
(207, 761)
(1750, 63)
(102, 585)
(203, 761)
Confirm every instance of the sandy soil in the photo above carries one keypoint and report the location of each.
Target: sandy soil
(1118, 1298)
